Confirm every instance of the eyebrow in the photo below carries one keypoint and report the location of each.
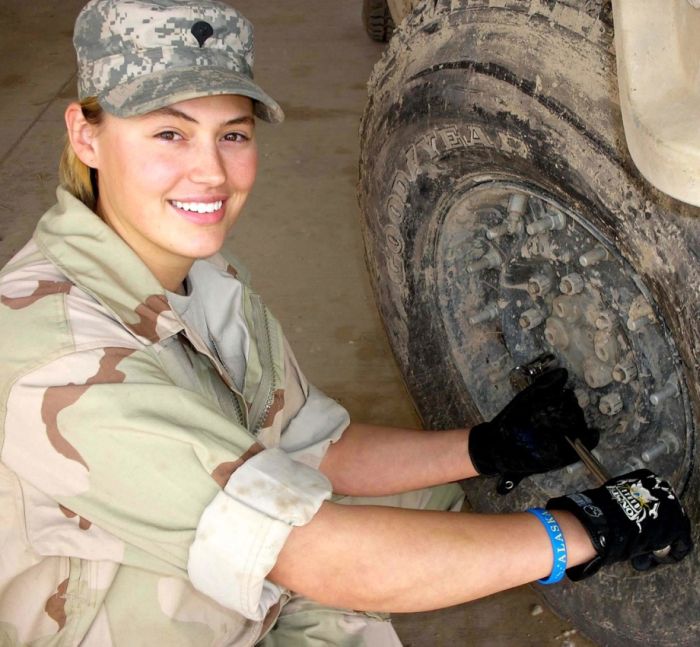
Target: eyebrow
(179, 114)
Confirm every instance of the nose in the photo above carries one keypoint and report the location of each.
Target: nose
(207, 166)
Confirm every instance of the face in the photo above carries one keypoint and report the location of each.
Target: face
(173, 182)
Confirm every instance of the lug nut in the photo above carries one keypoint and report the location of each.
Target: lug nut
(489, 312)
(571, 284)
(582, 397)
(596, 374)
(530, 319)
(605, 320)
(610, 404)
(551, 221)
(539, 285)
(489, 260)
(667, 444)
(668, 391)
(555, 333)
(566, 307)
(625, 371)
(517, 203)
(593, 256)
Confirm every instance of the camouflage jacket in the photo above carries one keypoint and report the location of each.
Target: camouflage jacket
(156, 449)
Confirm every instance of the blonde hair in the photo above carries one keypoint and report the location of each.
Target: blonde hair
(75, 176)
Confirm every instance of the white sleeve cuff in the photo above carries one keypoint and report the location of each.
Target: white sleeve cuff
(320, 422)
(242, 531)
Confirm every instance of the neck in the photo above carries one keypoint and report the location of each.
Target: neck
(171, 278)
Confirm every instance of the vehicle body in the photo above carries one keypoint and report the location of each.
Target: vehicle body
(507, 213)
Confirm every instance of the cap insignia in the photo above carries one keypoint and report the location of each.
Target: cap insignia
(201, 31)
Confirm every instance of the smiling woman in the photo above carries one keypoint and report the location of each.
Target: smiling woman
(166, 470)
(178, 198)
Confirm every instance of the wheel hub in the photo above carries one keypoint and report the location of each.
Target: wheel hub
(520, 275)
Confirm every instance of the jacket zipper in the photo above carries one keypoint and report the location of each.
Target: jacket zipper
(235, 397)
(265, 395)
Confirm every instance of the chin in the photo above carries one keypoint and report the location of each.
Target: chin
(204, 250)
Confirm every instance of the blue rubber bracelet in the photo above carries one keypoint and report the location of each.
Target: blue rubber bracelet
(556, 536)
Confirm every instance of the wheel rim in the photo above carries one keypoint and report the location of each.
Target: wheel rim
(519, 275)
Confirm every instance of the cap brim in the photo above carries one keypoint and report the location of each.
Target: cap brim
(160, 89)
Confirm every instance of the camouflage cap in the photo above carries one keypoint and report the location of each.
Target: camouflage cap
(136, 56)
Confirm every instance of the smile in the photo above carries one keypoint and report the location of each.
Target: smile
(199, 207)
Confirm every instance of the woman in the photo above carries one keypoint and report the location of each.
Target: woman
(168, 476)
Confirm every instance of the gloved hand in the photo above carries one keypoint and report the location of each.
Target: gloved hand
(629, 517)
(527, 436)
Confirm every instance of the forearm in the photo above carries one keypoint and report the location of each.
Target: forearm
(374, 461)
(386, 559)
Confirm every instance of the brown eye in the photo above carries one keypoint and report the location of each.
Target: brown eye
(236, 137)
(168, 135)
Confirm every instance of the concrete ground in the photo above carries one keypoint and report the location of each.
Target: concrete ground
(300, 234)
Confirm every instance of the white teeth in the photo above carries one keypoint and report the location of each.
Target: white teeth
(199, 207)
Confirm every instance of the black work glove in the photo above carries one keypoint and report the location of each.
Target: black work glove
(629, 518)
(527, 437)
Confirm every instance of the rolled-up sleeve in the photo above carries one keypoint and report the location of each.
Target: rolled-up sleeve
(320, 422)
(243, 530)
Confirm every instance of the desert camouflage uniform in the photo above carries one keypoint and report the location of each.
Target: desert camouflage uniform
(156, 451)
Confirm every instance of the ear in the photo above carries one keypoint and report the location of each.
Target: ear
(82, 135)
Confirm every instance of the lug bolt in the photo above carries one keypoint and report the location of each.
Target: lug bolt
(596, 374)
(659, 449)
(517, 203)
(530, 319)
(539, 285)
(635, 325)
(593, 256)
(578, 466)
(555, 333)
(668, 391)
(551, 221)
(571, 284)
(605, 320)
(566, 307)
(667, 444)
(489, 260)
(494, 232)
(605, 346)
(632, 464)
(488, 313)
(610, 404)
(625, 371)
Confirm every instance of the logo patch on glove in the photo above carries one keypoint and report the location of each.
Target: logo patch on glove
(636, 501)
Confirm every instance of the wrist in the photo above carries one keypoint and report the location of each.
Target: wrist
(580, 548)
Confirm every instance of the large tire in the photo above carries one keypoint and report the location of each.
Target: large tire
(477, 101)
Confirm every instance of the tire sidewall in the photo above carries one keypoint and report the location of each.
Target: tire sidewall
(415, 160)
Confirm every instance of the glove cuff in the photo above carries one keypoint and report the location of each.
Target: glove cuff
(480, 448)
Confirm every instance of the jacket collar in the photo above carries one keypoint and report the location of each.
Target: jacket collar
(98, 261)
